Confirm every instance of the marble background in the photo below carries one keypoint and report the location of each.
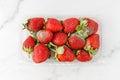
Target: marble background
(14, 12)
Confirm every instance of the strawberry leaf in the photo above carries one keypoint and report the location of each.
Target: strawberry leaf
(48, 45)
(26, 24)
(28, 49)
(82, 24)
(78, 52)
(91, 50)
(87, 48)
(81, 30)
(83, 33)
(79, 27)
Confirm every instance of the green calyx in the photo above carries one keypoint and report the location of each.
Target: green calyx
(51, 46)
(57, 50)
(82, 24)
(26, 25)
(34, 34)
(81, 30)
(78, 52)
(83, 33)
(91, 50)
(60, 50)
(28, 50)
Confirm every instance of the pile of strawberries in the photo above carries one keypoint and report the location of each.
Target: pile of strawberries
(69, 39)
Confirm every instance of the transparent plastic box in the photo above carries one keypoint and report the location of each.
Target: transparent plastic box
(96, 59)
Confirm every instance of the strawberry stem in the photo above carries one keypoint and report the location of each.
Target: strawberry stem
(25, 25)
(52, 46)
(83, 33)
(52, 50)
(34, 36)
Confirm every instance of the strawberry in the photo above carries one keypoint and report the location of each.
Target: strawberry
(40, 54)
(53, 25)
(76, 42)
(83, 56)
(92, 26)
(87, 27)
(64, 54)
(59, 38)
(70, 25)
(44, 36)
(34, 24)
(28, 44)
(92, 44)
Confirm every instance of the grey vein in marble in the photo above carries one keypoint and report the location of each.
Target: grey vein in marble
(13, 15)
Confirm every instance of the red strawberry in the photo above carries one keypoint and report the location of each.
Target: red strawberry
(34, 24)
(83, 56)
(28, 44)
(92, 26)
(92, 44)
(40, 53)
(76, 42)
(70, 25)
(53, 25)
(87, 27)
(59, 38)
(64, 54)
(44, 36)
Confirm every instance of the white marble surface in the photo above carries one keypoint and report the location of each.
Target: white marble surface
(14, 67)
